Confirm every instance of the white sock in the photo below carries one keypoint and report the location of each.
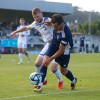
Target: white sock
(21, 57)
(73, 81)
(58, 75)
(38, 69)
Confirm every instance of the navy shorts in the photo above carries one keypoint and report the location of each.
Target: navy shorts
(62, 60)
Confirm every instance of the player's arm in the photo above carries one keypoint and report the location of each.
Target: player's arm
(19, 30)
(48, 22)
(59, 52)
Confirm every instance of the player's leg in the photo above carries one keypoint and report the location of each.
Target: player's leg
(64, 60)
(20, 53)
(38, 63)
(57, 73)
(50, 51)
(43, 72)
(40, 57)
(24, 49)
(26, 53)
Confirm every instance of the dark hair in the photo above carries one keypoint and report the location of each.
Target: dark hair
(57, 18)
(22, 19)
(35, 11)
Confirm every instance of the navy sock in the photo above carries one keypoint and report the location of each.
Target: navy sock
(69, 75)
(44, 72)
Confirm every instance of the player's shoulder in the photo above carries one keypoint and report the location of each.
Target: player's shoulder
(33, 24)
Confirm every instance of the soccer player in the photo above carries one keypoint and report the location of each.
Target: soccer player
(58, 50)
(82, 49)
(22, 41)
(42, 25)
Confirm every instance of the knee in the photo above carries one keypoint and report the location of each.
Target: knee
(37, 64)
(54, 68)
(64, 72)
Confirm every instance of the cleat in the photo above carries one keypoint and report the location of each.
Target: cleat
(73, 84)
(38, 89)
(60, 85)
(45, 82)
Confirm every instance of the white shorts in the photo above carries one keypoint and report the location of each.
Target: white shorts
(43, 51)
(22, 45)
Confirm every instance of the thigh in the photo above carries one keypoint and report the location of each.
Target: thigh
(43, 51)
(39, 60)
(19, 45)
(63, 60)
(52, 49)
(24, 45)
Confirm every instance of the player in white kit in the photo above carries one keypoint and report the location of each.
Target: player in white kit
(22, 41)
(42, 25)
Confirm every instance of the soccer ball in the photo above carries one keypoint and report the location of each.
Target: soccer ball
(35, 78)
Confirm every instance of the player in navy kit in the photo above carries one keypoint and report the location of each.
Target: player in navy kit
(58, 50)
(82, 39)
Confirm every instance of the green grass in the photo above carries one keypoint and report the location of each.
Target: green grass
(14, 79)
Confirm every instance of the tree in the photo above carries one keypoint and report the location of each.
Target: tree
(95, 27)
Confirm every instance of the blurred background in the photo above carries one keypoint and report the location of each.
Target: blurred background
(83, 20)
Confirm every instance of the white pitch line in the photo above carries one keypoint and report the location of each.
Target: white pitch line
(55, 93)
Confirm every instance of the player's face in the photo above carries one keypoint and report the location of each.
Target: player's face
(38, 17)
(22, 22)
(58, 27)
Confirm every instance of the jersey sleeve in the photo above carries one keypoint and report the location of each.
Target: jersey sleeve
(69, 38)
(64, 42)
(32, 25)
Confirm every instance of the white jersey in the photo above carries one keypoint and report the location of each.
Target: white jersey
(24, 38)
(45, 31)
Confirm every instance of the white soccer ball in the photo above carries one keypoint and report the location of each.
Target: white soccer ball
(35, 78)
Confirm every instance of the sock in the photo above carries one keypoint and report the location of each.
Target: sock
(21, 57)
(43, 71)
(26, 53)
(58, 75)
(38, 68)
(69, 75)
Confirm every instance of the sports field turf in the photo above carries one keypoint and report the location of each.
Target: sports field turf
(14, 83)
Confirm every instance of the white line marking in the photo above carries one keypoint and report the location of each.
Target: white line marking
(55, 93)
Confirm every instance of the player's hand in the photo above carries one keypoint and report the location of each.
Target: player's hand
(48, 22)
(12, 35)
(46, 62)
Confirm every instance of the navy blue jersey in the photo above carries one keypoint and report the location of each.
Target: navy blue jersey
(82, 41)
(64, 37)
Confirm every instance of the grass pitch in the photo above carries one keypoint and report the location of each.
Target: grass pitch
(14, 83)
